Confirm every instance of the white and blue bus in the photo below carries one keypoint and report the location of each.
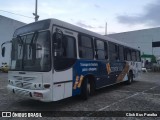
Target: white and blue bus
(52, 60)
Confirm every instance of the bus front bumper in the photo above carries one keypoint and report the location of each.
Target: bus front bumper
(41, 95)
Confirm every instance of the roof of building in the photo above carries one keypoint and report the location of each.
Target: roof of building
(148, 29)
(4, 17)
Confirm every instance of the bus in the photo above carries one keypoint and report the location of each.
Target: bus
(52, 60)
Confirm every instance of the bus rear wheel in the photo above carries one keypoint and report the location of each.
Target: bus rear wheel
(86, 89)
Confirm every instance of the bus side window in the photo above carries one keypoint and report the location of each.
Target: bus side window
(127, 52)
(101, 49)
(86, 47)
(133, 55)
(117, 52)
(121, 53)
(113, 51)
(69, 47)
(138, 56)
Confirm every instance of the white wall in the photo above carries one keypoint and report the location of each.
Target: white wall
(7, 28)
(141, 39)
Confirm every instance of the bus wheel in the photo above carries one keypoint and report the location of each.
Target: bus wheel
(86, 89)
(130, 78)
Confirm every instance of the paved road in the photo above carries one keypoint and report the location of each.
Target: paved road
(142, 95)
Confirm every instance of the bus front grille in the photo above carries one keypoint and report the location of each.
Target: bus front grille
(24, 78)
(18, 77)
(28, 78)
(24, 85)
(22, 93)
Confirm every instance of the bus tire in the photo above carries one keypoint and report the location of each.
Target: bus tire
(130, 78)
(92, 87)
(86, 89)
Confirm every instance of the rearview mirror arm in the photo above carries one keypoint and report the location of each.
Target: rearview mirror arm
(5, 43)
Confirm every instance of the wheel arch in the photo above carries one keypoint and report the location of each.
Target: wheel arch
(130, 72)
(92, 81)
(91, 78)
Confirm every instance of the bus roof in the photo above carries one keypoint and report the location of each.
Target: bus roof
(44, 24)
(82, 30)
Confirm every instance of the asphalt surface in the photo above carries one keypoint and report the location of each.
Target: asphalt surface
(142, 95)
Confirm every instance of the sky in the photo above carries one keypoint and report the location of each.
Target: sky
(120, 15)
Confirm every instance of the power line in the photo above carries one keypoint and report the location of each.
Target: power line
(16, 14)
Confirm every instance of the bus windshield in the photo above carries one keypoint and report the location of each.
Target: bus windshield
(31, 52)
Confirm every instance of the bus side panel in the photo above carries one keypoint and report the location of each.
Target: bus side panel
(80, 70)
(105, 73)
(118, 70)
(62, 87)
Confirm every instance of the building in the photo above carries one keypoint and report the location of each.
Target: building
(7, 28)
(146, 40)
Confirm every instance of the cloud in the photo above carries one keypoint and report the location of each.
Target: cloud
(94, 19)
(100, 26)
(97, 6)
(82, 24)
(150, 17)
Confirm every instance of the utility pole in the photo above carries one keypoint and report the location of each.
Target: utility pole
(106, 29)
(152, 46)
(35, 14)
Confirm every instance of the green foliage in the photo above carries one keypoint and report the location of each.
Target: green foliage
(153, 58)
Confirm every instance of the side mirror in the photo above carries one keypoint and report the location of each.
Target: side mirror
(3, 48)
(57, 41)
(3, 51)
(58, 36)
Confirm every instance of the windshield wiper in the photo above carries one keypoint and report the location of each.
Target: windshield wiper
(31, 43)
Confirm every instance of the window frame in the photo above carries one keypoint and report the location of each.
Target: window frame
(48, 37)
(116, 51)
(139, 56)
(105, 50)
(68, 62)
(123, 56)
(126, 50)
(75, 47)
(81, 46)
(133, 51)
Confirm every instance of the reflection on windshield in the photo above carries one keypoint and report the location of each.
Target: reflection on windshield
(31, 52)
